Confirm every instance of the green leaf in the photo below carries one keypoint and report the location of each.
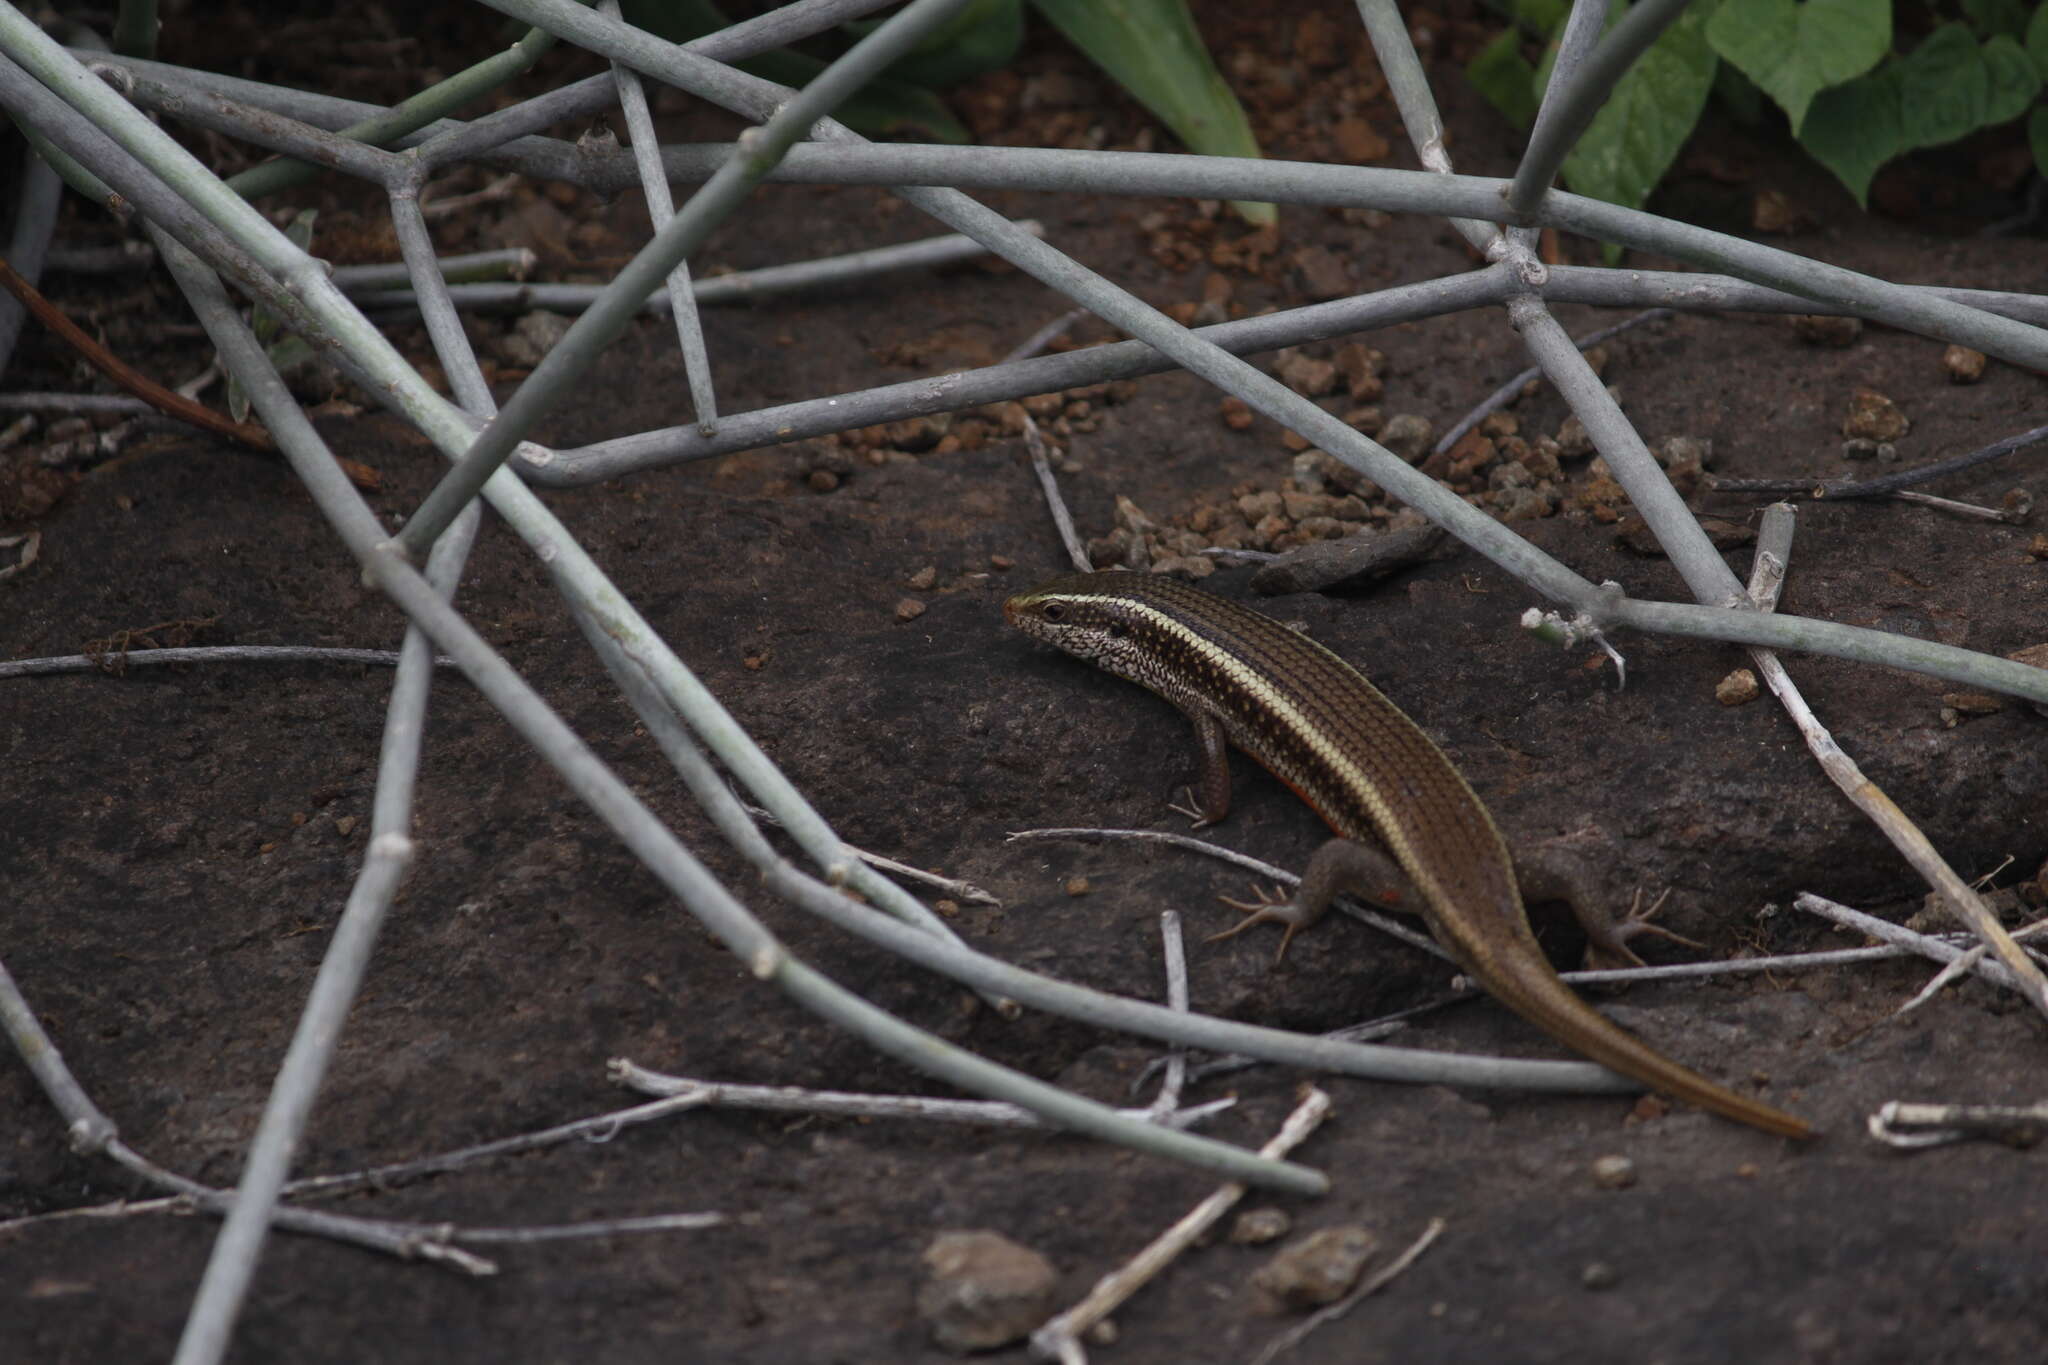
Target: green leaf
(289, 354)
(1991, 18)
(300, 229)
(980, 36)
(1540, 16)
(885, 107)
(1636, 135)
(2037, 138)
(2012, 79)
(1500, 72)
(1795, 51)
(1153, 50)
(1947, 88)
(2037, 40)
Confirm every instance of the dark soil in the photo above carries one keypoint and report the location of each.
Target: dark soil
(175, 843)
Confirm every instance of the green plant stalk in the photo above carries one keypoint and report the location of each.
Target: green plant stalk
(135, 28)
(435, 102)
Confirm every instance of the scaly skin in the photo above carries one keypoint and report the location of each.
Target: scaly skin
(1368, 770)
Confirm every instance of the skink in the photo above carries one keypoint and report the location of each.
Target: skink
(1368, 770)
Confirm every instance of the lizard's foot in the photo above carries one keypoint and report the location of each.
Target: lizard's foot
(1607, 943)
(1267, 908)
(1200, 821)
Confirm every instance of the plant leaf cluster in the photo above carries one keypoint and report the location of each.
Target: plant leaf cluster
(1851, 98)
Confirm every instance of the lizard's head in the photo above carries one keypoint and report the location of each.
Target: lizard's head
(1093, 616)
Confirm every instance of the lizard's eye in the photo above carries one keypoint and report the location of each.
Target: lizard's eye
(1118, 630)
(1053, 611)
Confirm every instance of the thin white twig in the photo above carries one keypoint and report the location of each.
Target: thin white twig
(1962, 966)
(115, 661)
(606, 1227)
(1034, 441)
(1911, 1126)
(952, 886)
(1043, 337)
(791, 1099)
(1055, 503)
(596, 1129)
(1060, 1338)
(1505, 394)
(1962, 509)
(1176, 1070)
(1900, 936)
(1774, 549)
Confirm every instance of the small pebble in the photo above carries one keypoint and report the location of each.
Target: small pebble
(982, 1290)
(925, 579)
(1408, 435)
(1962, 365)
(1305, 374)
(1256, 1227)
(1774, 211)
(1313, 1270)
(1957, 706)
(1614, 1172)
(1572, 440)
(1737, 688)
(1077, 886)
(1874, 417)
(1599, 1275)
(909, 609)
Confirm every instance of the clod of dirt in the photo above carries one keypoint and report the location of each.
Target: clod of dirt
(1963, 365)
(1875, 417)
(1407, 434)
(1321, 273)
(1256, 1227)
(532, 337)
(1305, 374)
(1737, 689)
(1313, 1271)
(1774, 211)
(29, 488)
(983, 1291)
